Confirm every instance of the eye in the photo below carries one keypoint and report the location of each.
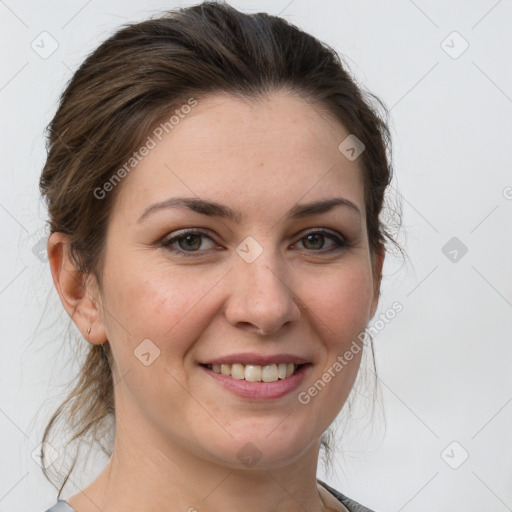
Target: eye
(315, 240)
(189, 242)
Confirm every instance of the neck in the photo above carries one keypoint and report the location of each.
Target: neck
(153, 475)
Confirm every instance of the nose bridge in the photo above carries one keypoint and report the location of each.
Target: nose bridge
(262, 295)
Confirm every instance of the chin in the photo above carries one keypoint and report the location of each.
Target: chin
(267, 448)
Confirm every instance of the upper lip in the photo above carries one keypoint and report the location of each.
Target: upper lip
(257, 359)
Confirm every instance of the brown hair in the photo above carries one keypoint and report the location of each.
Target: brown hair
(135, 79)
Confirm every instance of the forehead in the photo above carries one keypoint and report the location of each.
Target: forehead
(254, 155)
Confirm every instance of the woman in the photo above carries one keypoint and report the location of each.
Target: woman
(214, 182)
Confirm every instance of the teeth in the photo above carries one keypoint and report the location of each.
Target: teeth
(256, 373)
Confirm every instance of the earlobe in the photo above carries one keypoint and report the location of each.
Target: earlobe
(78, 292)
(377, 264)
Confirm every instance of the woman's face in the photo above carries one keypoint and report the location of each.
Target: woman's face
(278, 281)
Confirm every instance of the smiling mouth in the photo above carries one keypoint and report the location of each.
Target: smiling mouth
(256, 373)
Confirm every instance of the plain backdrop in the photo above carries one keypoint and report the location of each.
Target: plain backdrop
(444, 363)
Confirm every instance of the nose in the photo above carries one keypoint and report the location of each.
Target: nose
(262, 298)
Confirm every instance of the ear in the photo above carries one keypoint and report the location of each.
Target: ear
(78, 292)
(377, 264)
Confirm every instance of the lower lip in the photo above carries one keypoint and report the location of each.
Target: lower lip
(260, 390)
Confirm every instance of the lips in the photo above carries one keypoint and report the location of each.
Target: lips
(259, 390)
(258, 376)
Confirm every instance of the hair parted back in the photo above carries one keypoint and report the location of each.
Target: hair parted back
(129, 84)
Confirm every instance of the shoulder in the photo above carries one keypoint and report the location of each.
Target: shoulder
(351, 505)
(61, 506)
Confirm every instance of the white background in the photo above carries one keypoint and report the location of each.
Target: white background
(444, 362)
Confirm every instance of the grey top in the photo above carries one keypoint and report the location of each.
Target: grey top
(353, 506)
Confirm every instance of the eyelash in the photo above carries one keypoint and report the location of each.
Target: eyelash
(340, 243)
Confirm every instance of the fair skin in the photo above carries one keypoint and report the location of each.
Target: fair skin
(178, 432)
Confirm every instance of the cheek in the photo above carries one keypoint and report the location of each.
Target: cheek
(163, 305)
(342, 303)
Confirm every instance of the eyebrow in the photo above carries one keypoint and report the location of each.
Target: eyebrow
(213, 209)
